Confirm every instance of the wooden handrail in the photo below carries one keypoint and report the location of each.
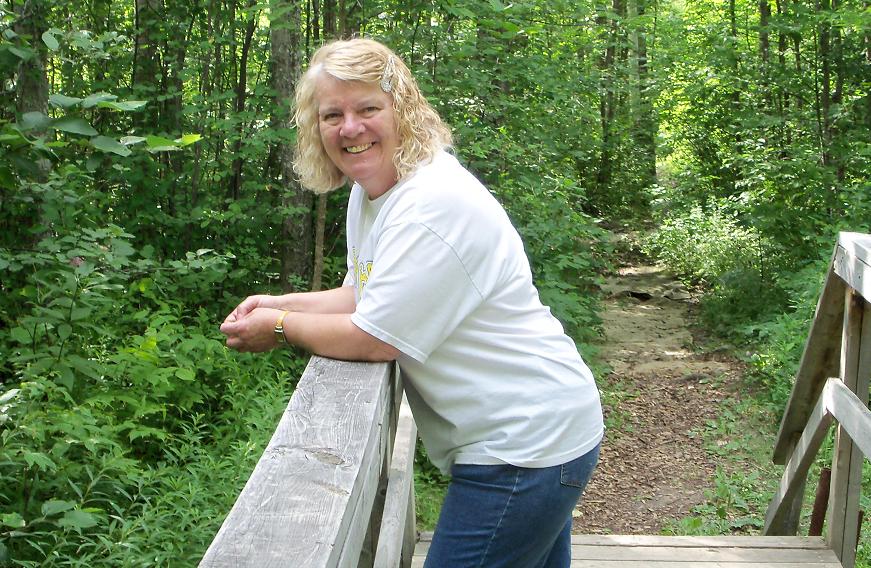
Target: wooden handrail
(315, 496)
(850, 268)
(836, 402)
(839, 344)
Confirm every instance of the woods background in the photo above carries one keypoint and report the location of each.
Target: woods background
(145, 168)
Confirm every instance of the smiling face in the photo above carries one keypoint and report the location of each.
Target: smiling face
(359, 131)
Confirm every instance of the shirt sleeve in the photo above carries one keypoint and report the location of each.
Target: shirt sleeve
(418, 291)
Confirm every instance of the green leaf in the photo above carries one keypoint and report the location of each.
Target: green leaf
(22, 53)
(40, 460)
(78, 519)
(122, 105)
(160, 144)
(63, 101)
(74, 125)
(50, 41)
(8, 395)
(64, 331)
(97, 98)
(185, 374)
(20, 335)
(130, 140)
(34, 121)
(80, 313)
(65, 377)
(107, 144)
(13, 520)
(146, 432)
(188, 139)
(55, 506)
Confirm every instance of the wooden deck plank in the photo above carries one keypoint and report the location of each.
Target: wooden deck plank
(623, 551)
(697, 541)
(700, 554)
(417, 562)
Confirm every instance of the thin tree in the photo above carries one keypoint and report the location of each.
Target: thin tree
(296, 223)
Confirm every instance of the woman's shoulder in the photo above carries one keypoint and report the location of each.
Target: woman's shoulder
(443, 183)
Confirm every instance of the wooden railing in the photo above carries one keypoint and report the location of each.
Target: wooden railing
(839, 345)
(334, 486)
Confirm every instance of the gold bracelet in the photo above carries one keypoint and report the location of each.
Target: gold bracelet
(279, 329)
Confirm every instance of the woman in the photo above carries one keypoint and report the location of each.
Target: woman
(438, 281)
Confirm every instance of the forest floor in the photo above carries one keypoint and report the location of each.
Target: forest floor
(661, 397)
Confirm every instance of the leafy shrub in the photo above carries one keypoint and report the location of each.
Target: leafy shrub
(780, 339)
(705, 246)
(732, 262)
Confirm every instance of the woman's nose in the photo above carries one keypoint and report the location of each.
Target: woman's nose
(351, 127)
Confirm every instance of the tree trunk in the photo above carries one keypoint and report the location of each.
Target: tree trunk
(825, 89)
(837, 99)
(607, 98)
(867, 39)
(796, 48)
(241, 95)
(146, 61)
(784, 134)
(349, 18)
(765, 51)
(329, 32)
(329, 17)
(646, 123)
(296, 229)
(31, 86)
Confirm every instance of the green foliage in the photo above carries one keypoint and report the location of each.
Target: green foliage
(704, 246)
(430, 487)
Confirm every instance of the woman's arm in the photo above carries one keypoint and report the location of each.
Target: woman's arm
(336, 301)
(330, 335)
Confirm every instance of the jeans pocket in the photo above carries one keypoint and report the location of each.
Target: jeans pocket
(577, 472)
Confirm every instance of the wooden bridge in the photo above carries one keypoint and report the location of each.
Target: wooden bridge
(335, 486)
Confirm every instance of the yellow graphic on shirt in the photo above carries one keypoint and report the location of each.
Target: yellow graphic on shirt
(362, 271)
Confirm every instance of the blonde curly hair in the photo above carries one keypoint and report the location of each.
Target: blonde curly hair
(421, 131)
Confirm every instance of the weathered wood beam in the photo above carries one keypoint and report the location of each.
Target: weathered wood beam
(778, 517)
(309, 499)
(853, 262)
(819, 361)
(846, 482)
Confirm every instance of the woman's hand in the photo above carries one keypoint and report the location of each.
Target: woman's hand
(251, 328)
(251, 303)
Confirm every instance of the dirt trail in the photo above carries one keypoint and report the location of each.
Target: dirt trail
(658, 397)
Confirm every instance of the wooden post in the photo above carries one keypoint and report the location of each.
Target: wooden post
(409, 536)
(370, 543)
(397, 538)
(846, 482)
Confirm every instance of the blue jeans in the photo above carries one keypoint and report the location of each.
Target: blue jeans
(506, 516)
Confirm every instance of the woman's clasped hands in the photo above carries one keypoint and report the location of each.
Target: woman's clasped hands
(250, 326)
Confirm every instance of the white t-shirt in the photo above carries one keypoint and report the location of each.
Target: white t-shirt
(440, 273)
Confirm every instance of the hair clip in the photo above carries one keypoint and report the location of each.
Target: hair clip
(387, 76)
